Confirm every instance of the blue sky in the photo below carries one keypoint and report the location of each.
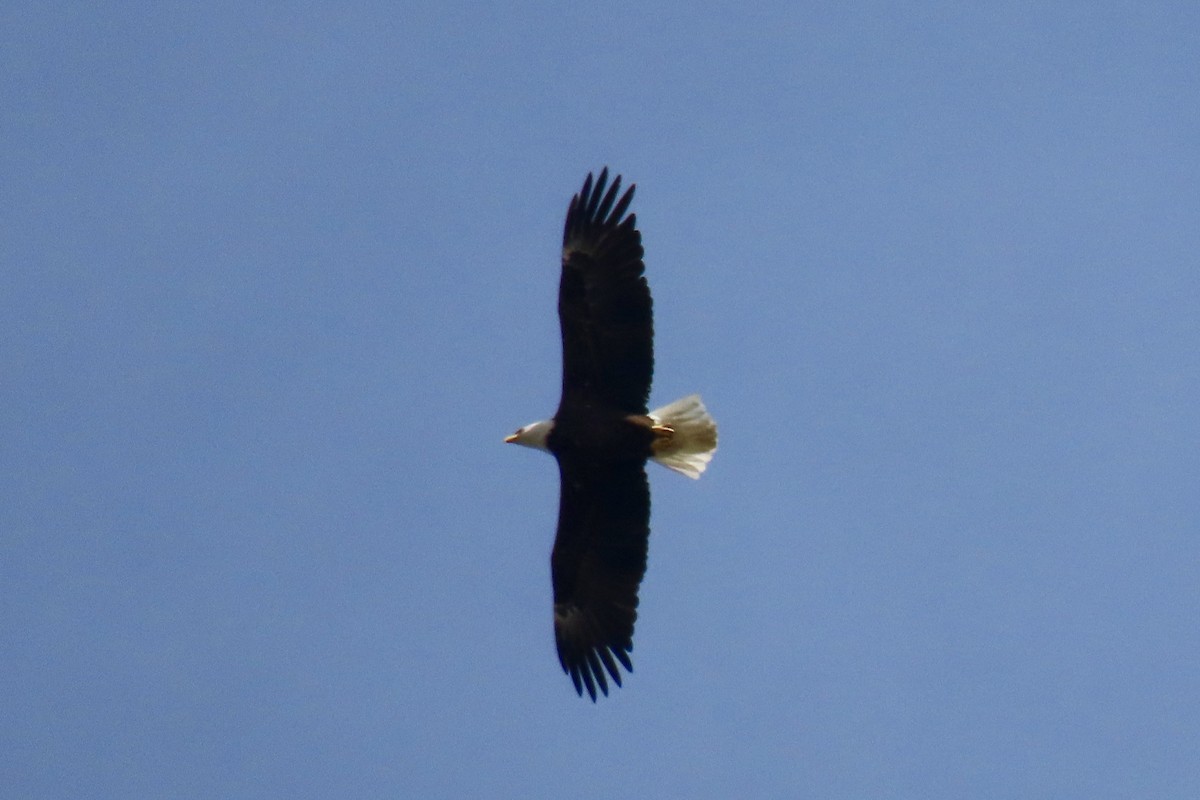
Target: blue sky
(279, 280)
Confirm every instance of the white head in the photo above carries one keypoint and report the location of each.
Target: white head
(532, 435)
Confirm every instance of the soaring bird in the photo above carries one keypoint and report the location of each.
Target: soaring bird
(602, 435)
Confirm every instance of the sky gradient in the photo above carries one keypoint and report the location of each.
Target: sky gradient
(279, 280)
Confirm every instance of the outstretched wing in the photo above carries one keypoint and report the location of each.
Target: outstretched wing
(604, 303)
(598, 562)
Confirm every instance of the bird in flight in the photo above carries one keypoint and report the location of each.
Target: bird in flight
(602, 435)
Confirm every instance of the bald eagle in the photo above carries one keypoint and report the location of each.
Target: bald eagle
(602, 435)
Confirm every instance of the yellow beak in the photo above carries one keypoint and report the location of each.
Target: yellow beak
(512, 437)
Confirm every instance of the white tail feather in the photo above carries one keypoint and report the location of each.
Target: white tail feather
(689, 449)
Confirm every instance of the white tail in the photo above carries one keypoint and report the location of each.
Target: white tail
(694, 439)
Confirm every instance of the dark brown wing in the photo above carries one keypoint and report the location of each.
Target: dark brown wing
(598, 562)
(604, 303)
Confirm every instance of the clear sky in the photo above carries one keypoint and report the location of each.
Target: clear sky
(278, 280)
